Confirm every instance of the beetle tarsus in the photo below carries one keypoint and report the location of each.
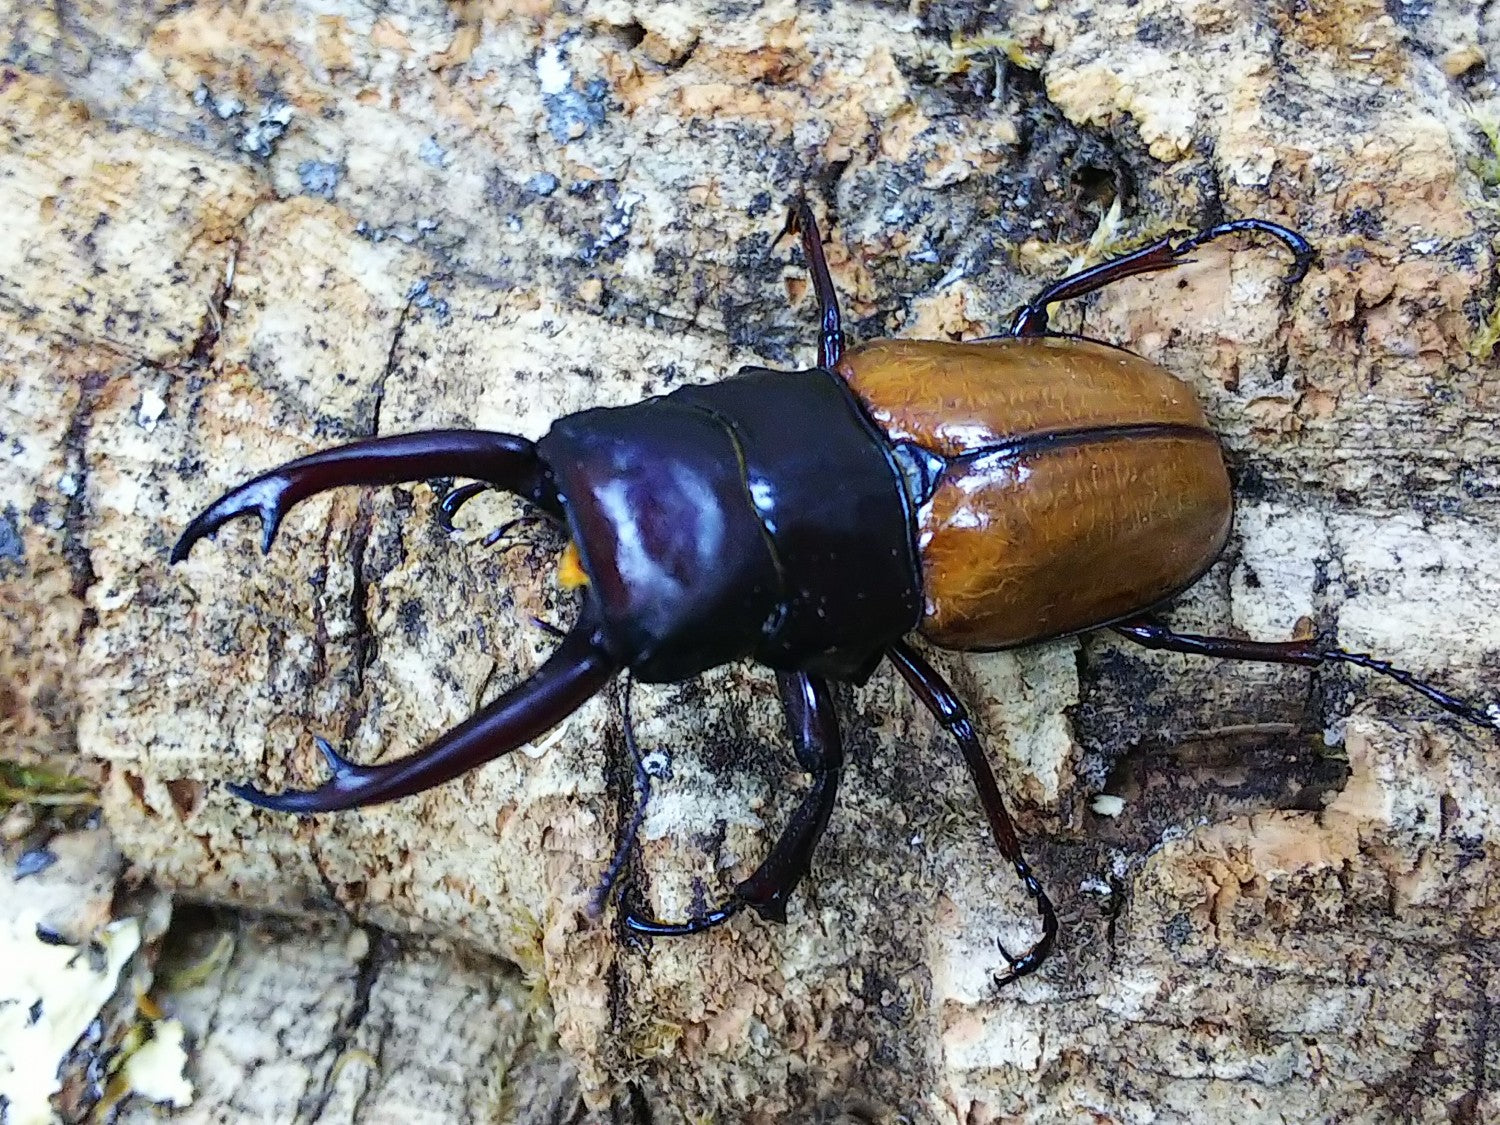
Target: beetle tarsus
(1022, 966)
(1151, 633)
(1302, 250)
(638, 922)
(939, 698)
(1032, 959)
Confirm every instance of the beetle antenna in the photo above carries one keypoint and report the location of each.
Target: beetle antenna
(572, 675)
(1153, 634)
(642, 790)
(456, 498)
(547, 627)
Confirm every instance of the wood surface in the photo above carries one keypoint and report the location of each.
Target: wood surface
(235, 233)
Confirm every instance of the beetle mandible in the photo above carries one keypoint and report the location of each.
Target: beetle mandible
(987, 494)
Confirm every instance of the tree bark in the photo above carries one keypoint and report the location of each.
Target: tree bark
(236, 235)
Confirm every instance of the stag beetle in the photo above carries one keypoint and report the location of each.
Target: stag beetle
(986, 494)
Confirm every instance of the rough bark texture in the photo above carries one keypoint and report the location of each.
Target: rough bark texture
(330, 1022)
(237, 233)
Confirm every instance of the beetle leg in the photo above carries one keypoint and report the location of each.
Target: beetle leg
(639, 923)
(572, 674)
(1163, 254)
(1153, 634)
(814, 725)
(642, 785)
(502, 460)
(799, 220)
(819, 747)
(945, 706)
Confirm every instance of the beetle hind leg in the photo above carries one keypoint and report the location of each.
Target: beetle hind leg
(940, 699)
(819, 747)
(1173, 250)
(1153, 634)
(501, 460)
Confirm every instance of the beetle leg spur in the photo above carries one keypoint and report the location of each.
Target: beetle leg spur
(1150, 633)
(1163, 254)
(819, 747)
(576, 670)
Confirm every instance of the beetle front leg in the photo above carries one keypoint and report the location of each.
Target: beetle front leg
(502, 460)
(819, 747)
(1150, 633)
(1163, 254)
(940, 699)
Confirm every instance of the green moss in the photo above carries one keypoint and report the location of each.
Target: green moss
(35, 785)
(1482, 346)
(1486, 164)
(966, 47)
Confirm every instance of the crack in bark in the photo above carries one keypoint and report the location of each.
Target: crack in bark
(315, 857)
(389, 368)
(1467, 1110)
(631, 1107)
(211, 1024)
(382, 949)
(76, 514)
(364, 640)
(201, 354)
